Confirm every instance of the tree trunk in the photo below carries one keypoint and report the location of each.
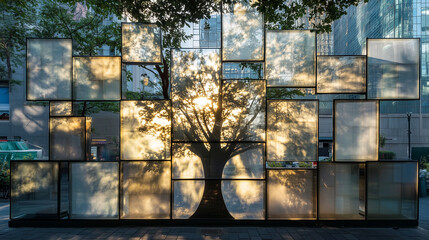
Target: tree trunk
(212, 204)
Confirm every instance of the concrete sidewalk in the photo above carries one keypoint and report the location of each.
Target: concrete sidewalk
(254, 233)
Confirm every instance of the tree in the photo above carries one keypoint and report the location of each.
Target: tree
(16, 18)
(219, 114)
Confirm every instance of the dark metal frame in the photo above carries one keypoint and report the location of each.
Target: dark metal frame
(314, 64)
(334, 125)
(264, 179)
(27, 71)
(95, 100)
(329, 56)
(420, 70)
(153, 25)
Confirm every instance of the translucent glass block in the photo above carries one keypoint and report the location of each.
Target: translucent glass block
(67, 138)
(243, 104)
(218, 160)
(141, 43)
(242, 33)
(341, 74)
(34, 190)
(145, 130)
(247, 163)
(195, 82)
(49, 69)
(243, 70)
(340, 193)
(392, 190)
(145, 190)
(290, 58)
(60, 108)
(94, 190)
(356, 130)
(187, 197)
(244, 199)
(292, 127)
(97, 78)
(393, 68)
(292, 194)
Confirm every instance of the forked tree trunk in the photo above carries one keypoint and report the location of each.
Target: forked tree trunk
(212, 204)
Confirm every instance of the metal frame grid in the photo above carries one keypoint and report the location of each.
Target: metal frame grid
(120, 162)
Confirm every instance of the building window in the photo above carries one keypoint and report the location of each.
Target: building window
(4, 103)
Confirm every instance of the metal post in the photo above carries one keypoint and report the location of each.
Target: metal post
(409, 135)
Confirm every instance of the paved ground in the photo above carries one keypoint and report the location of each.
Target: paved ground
(200, 233)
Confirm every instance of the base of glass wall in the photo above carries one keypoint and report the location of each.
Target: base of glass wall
(214, 223)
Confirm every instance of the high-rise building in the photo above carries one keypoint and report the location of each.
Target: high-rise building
(391, 19)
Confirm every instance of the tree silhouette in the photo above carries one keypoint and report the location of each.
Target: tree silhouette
(220, 113)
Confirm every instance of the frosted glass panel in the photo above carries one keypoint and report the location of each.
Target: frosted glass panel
(187, 197)
(292, 194)
(292, 130)
(94, 190)
(141, 43)
(393, 68)
(242, 32)
(67, 138)
(218, 160)
(246, 163)
(60, 108)
(34, 188)
(243, 110)
(290, 59)
(244, 199)
(49, 69)
(341, 74)
(340, 194)
(145, 130)
(392, 190)
(195, 93)
(146, 188)
(356, 131)
(97, 78)
(187, 159)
